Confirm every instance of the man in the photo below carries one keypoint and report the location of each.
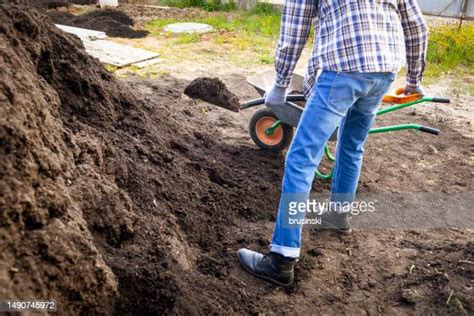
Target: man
(359, 45)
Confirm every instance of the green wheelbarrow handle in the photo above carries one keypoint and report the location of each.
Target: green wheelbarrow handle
(385, 129)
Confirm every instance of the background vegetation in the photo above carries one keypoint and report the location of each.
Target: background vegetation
(451, 47)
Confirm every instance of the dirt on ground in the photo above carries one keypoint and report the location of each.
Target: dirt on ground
(53, 4)
(113, 22)
(127, 197)
(135, 15)
(145, 13)
(214, 91)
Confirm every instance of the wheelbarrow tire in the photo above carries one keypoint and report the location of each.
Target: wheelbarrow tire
(260, 122)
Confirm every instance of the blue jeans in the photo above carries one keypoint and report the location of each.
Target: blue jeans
(347, 100)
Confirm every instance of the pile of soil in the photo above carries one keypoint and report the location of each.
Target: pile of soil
(124, 198)
(113, 22)
(113, 202)
(214, 91)
(53, 4)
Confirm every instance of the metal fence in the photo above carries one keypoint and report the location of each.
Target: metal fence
(463, 9)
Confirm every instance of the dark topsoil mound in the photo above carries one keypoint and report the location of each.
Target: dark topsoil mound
(52, 4)
(113, 22)
(109, 201)
(112, 203)
(214, 91)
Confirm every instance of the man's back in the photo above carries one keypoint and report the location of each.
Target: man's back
(363, 36)
(353, 36)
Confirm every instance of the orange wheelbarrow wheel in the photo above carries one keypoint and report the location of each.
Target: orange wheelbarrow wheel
(276, 141)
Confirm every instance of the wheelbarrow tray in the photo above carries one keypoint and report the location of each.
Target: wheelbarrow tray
(264, 81)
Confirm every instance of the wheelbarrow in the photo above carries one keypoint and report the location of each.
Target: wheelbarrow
(272, 129)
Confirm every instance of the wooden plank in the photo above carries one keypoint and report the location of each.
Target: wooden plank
(146, 63)
(116, 54)
(82, 33)
(109, 52)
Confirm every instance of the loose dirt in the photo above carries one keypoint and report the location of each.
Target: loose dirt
(113, 22)
(125, 197)
(142, 14)
(48, 4)
(112, 200)
(214, 91)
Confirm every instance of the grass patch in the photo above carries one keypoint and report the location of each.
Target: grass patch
(450, 49)
(133, 68)
(188, 38)
(470, 89)
(253, 33)
(250, 37)
(262, 20)
(155, 27)
(110, 68)
(267, 59)
(152, 73)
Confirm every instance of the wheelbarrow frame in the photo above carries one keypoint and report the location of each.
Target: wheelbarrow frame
(291, 112)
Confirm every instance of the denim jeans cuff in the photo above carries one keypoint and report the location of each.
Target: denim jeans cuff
(289, 252)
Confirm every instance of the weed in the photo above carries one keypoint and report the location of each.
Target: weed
(451, 48)
(133, 68)
(267, 59)
(188, 38)
(110, 68)
(155, 27)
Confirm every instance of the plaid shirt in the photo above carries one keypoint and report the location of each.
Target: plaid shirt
(352, 35)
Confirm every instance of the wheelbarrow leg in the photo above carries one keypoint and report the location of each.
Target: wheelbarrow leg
(288, 113)
(331, 158)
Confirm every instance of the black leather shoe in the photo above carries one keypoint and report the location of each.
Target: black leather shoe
(272, 267)
(336, 221)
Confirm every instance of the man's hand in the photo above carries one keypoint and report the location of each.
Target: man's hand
(275, 96)
(409, 89)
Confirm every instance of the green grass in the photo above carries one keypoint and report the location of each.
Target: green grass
(471, 89)
(263, 20)
(110, 68)
(188, 38)
(256, 30)
(156, 26)
(267, 59)
(450, 49)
